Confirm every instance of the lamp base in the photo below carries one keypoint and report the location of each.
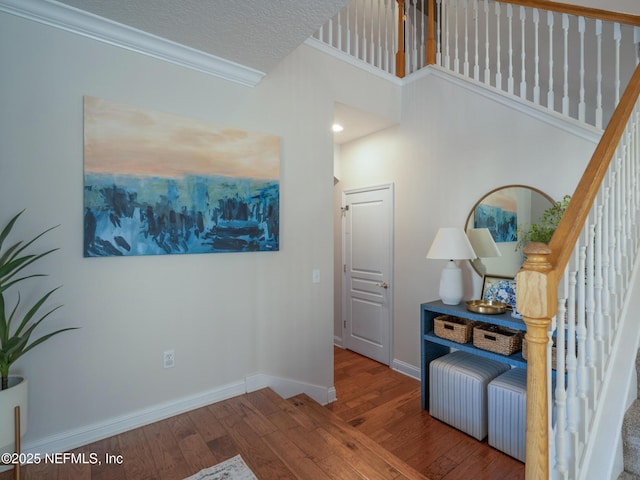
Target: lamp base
(451, 290)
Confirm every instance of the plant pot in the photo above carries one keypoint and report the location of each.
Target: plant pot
(15, 395)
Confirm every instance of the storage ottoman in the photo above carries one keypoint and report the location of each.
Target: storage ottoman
(507, 412)
(458, 390)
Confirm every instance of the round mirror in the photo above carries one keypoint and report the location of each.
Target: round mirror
(500, 212)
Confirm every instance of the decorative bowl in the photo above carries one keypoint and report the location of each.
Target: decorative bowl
(488, 307)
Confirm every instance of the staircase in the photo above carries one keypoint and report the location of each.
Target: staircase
(631, 436)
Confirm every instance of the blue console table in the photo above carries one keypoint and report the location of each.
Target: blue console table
(433, 347)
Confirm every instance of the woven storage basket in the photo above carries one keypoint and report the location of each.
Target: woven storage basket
(496, 339)
(459, 330)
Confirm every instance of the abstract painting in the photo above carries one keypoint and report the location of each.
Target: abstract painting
(157, 184)
(500, 216)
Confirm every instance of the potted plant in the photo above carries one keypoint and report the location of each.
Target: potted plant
(17, 324)
(544, 229)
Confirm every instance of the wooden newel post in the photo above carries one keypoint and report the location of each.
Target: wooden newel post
(536, 300)
(431, 36)
(400, 66)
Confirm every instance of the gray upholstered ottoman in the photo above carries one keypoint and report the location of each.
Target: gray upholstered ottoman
(458, 390)
(507, 412)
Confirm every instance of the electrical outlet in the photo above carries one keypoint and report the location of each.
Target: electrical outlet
(169, 359)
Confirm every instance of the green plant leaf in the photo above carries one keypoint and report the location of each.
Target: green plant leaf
(543, 230)
(15, 342)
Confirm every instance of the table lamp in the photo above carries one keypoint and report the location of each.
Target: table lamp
(451, 243)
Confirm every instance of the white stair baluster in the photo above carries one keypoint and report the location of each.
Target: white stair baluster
(536, 58)
(617, 35)
(410, 34)
(599, 111)
(550, 95)
(339, 36)
(365, 44)
(572, 389)
(476, 64)
(356, 33)
(423, 52)
(445, 21)
(393, 36)
(523, 79)
(581, 105)
(438, 30)
(565, 68)
(348, 40)
(581, 334)
(487, 70)
(592, 381)
(510, 21)
(416, 28)
(456, 53)
(636, 42)
(378, 47)
(466, 38)
(598, 289)
(560, 391)
(498, 62)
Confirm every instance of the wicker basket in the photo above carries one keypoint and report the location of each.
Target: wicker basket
(496, 339)
(459, 330)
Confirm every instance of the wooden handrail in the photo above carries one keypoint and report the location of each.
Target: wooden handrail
(577, 10)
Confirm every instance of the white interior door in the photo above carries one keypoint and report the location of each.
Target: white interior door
(368, 266)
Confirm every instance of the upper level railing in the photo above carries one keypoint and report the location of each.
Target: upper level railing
(572, 60)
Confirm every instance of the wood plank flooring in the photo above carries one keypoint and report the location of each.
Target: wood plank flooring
(376, 430)
(385, 406)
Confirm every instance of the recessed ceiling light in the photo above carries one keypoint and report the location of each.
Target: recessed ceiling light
(337, 127)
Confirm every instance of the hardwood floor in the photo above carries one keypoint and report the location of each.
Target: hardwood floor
(376, 430)
(385, 405)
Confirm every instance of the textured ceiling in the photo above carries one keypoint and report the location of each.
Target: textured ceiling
(253, 33)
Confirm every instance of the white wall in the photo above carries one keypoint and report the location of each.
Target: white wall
(228, 316)
(448, 152)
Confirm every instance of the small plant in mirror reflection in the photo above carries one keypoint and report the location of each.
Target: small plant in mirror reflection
(544, 229)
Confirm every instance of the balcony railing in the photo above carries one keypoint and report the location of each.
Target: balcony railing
(574, 61)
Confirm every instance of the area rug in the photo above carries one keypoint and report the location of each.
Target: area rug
(232, 469)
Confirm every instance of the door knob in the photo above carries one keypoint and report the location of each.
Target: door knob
(383, 285)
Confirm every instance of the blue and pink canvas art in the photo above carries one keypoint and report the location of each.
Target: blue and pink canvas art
(157, 184)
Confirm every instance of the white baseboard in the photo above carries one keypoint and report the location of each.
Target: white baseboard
(288, 388)
(68, 440)
(406, 368)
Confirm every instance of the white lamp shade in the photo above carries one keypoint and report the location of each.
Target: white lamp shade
(483, 243)
(451, 243)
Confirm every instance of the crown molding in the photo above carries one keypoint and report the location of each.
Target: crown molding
(73, 20)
